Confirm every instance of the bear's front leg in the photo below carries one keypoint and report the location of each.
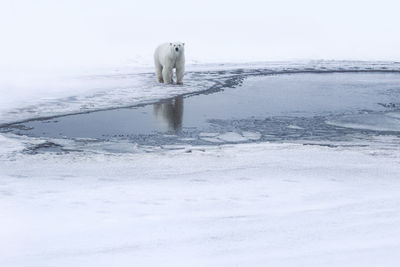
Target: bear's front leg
(179, 75)
(159, 74)
(167, 75)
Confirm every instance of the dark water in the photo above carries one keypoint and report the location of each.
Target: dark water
(289, 107)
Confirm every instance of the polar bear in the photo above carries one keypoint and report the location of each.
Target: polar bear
(169, 56)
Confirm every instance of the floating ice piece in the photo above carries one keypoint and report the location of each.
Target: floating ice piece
(393, 115)
(374, 122)
(212, 140)
(295, 127)
(232, 137)
(252, 135)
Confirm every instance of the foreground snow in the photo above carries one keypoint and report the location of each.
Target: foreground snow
(244, 205)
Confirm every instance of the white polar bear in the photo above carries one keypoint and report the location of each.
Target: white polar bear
(167, 57)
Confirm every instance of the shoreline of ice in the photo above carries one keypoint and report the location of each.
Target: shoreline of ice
(132, 87)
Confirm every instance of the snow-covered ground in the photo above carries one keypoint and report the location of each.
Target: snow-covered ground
(235, 205)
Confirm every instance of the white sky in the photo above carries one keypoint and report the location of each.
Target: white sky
(56, 34)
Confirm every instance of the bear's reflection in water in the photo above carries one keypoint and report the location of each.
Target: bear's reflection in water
(171, 112)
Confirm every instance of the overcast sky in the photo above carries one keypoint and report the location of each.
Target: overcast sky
(75, 33)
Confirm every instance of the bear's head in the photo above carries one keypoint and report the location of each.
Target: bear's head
(177, 47)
